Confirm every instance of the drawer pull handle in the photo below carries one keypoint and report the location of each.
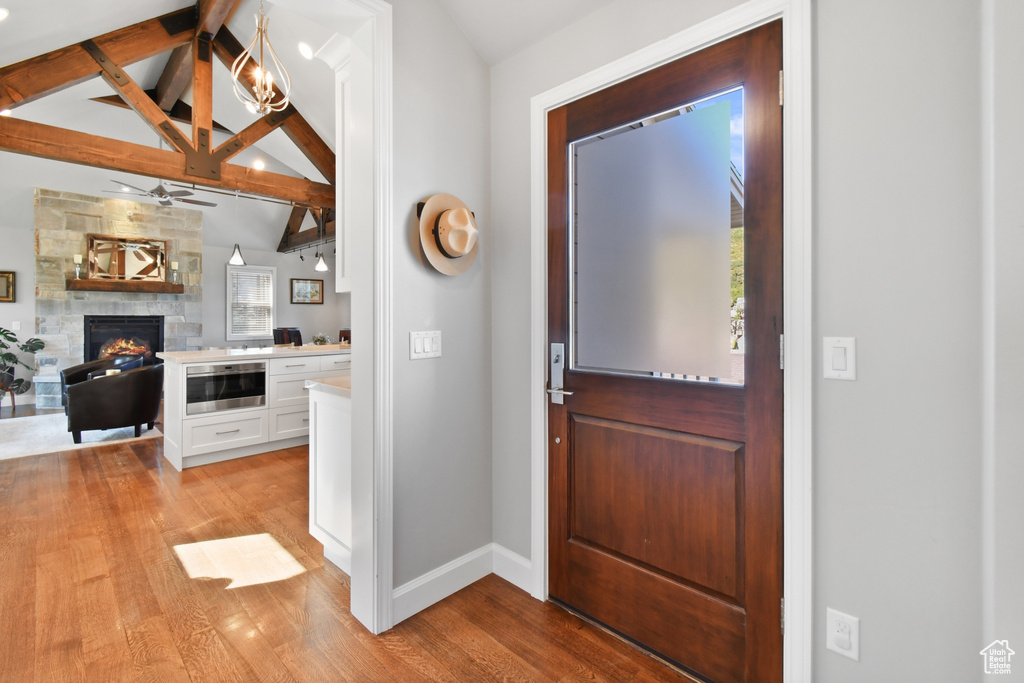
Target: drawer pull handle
(305, 419)
(296, 365)
(229, 432)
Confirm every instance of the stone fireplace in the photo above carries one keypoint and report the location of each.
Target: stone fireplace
(62, 221)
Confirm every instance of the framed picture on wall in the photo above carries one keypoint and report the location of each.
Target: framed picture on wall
(307, 291)
(6, 286)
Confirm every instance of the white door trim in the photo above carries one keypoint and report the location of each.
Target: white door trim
(367, 143)
(797, 197)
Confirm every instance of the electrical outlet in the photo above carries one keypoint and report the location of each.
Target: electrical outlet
(842, 634)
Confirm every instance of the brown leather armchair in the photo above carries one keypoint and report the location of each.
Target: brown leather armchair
(127, 399)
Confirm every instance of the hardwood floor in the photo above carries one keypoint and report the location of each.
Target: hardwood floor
(92, 589)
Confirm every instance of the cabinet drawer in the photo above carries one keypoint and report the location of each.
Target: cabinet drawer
(208, 434)
(288, 422)
(291, 366)
(288, 390)
(338, 364)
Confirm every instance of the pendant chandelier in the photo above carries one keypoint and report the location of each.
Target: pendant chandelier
(257, 92)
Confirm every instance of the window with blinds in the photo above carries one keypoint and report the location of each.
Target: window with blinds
(250, 294)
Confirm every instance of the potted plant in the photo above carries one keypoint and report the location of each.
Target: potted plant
(9, 360)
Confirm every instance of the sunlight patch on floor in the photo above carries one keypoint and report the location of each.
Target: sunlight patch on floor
(245, 560)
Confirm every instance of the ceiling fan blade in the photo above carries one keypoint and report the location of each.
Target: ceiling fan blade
(166, 202)
(180, 193)
(133, 194)
(137, 189)
(194, 201)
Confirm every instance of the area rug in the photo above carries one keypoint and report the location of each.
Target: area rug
(21, 436)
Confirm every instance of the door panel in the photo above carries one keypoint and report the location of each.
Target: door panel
(665, 494)
(666, 500)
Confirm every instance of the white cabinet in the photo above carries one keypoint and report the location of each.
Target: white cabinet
(219, 432)
(287, 395)
(286, 423)
(330, 475)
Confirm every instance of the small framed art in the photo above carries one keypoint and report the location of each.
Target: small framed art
(307, 291)
(6, 286)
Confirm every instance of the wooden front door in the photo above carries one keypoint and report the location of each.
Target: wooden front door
(665, 479)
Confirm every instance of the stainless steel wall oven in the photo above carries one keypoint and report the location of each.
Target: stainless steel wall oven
(224, 386)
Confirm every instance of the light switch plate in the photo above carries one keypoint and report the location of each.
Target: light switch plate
(839, 357)
(424, 345)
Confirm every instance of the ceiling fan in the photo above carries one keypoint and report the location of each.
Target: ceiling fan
(163, 195)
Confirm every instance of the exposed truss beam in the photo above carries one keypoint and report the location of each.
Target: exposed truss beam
(296, 127)
(136, 98)
(177, 75)
(50, 142)
(33, 78)
(255, 132)
(180, 112)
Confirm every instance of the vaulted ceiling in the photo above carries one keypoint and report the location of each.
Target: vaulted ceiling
(496, 28)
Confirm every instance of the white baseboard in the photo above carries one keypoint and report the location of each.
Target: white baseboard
(436, 585)
(514, 568)
(340, 556)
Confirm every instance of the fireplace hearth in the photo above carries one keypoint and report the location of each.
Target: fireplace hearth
(115, 335)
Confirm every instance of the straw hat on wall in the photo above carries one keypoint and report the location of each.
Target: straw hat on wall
(448, 233)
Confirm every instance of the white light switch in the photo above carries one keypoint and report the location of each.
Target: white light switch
(839, 356)
(16, 325)
(424, 345)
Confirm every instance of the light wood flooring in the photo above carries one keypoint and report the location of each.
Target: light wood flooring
(91, 588)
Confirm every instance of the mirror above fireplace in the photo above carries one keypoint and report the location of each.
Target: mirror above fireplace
(127, 258)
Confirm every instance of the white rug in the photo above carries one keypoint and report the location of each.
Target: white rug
(21, 436)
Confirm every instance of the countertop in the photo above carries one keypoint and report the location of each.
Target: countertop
(338, 386)
(252, 353)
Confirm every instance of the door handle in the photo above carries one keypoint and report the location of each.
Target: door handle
(557, 374)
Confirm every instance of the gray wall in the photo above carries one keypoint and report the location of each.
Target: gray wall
(897, 462)
(442, 411)
(328, 317)
(897, 264)
(1003, 555)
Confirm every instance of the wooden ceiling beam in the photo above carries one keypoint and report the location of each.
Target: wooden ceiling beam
(50, 142)
(307, 238)
(36, 77)
(136, 98)
(177, 75)
(296, 127)
(293, 225)
(180, 112)
(175, 78)
(252, 134)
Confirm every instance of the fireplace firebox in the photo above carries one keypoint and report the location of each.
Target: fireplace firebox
(117, 335)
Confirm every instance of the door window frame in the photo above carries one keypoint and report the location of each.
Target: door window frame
(797, 352)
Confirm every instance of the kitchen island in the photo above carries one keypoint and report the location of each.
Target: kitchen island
(330, 467)
(221, 404)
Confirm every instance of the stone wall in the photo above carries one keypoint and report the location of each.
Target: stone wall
(62, 221)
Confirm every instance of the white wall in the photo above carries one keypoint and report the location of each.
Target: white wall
(328, 317)
(1003, 100)
(442, 407)
(897, 264)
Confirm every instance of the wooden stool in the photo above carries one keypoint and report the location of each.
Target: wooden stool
(11, 392)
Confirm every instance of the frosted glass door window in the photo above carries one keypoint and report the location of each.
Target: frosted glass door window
(654, 219)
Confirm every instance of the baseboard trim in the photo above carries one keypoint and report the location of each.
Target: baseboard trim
(434, 586)
(513, 567)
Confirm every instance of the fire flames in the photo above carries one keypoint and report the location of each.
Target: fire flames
(125, 347)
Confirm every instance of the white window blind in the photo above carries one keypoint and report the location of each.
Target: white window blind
(250, 293)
